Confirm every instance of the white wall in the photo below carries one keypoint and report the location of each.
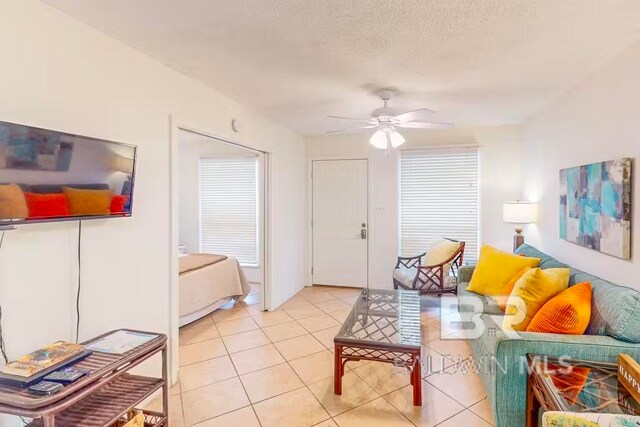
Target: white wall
(596, 121)
(61, 74)
(500, 154)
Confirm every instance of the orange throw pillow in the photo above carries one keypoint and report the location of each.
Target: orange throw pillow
(570, 384)
(569, 312)
(12, 202)
(88, 202)
(506, 292)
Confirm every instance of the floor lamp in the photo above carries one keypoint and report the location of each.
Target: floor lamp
(519, 213)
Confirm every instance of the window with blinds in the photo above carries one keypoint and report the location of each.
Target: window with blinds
(229, 208)
(439, 198)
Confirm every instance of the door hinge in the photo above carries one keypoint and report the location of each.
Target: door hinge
(312, 271)
(312, 223)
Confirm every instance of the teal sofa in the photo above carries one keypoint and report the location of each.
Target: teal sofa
(614, 328)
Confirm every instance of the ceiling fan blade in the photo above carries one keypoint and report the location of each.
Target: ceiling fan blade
(410, 116)
(353, 128)
(424, 125)
(370, 121)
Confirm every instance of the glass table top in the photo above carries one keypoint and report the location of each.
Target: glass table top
(587, 387)
(384, 318)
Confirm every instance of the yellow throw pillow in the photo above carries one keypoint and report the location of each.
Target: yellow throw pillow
(531, 292)
(502, 299)
(441, 251)
(88, 202)
(569, 312)
(13, 205)
(494, 270)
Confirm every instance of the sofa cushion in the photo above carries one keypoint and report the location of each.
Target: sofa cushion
(489, 305)
(405, 275)
(546, 261)
(57, 188)
(615, 310)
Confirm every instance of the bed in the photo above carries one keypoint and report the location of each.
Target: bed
(207, 282)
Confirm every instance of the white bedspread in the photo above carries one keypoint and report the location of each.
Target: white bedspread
(206, 286)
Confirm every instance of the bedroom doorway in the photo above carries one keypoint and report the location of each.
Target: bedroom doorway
(221, 237)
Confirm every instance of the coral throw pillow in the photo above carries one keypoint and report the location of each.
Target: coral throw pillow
(117, 203)
(12, 202)
(569, 312)
(88, 202)
(495, 269)
(502, 299)
(530, 293)
(47, 205)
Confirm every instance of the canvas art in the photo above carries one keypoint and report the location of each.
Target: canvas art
(33, 149)
(595, 206)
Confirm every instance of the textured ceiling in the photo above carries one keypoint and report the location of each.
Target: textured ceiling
(476, 62)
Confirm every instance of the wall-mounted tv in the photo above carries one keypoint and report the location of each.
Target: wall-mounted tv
(47, 175)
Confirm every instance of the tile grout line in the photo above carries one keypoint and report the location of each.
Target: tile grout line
(298, 376)
(304, 385)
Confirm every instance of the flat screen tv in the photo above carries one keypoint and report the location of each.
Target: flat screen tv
(47, 175)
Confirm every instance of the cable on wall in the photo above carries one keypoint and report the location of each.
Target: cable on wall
(79, 280)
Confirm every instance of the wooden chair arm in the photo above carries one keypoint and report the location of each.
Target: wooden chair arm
(411, 261)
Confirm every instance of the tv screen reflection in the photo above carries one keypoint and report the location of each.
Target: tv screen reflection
(47, 175)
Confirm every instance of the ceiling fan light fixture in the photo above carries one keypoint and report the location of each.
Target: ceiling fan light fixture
(386, 136)
(396, 139)
(379, 139)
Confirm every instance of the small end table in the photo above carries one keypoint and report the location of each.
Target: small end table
(101, 397)
(575, 386)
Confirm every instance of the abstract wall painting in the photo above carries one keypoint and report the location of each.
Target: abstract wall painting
(33, 149)
(595, 206)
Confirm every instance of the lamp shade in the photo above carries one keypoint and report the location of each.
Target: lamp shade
(122, 164)
(519, 212)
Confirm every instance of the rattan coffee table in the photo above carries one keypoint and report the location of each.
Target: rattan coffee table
(383, 326)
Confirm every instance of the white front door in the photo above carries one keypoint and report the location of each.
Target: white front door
(340, 222)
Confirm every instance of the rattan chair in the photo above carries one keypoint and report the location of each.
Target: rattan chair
(409, 273)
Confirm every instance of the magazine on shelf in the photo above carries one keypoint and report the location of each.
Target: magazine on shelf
(120, 342)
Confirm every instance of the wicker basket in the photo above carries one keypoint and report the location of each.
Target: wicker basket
(134, 418)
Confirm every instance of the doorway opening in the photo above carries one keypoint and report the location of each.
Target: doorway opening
(220, 260)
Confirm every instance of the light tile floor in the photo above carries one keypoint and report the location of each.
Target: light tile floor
(243, 367)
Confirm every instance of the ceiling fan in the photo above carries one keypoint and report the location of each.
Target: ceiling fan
(385, 120)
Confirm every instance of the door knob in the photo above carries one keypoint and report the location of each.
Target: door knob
(363, 234)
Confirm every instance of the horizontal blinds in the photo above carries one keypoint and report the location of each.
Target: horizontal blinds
(228, 208)
(439, 198)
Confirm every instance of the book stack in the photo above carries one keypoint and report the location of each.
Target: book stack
(33, 366)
